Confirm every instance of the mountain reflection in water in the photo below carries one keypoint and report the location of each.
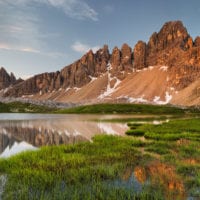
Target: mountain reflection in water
(20, 132)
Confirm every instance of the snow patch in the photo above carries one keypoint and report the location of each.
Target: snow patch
(92, 78)
(145, 69)
(134, 100)
(67, 89)
(73, 88)
(168, 98)
(138, 70)
(156, 99)
(139, 100)
(151, 67)
(164, 68)
(109, 90)
(76, 88)
(109, 66)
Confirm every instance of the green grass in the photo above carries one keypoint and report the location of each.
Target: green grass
(125, 109)
(19, 107)
(135, 132)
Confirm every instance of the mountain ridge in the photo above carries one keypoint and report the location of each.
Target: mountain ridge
(171, 53)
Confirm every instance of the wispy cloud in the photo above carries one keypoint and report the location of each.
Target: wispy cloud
(21, 26)
(83, 48)
(4, 46)
(77, 9)
(74, 8)
(26, 49)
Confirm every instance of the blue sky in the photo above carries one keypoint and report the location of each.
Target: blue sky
(45, 35)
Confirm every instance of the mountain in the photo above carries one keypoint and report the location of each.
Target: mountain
(164, 70)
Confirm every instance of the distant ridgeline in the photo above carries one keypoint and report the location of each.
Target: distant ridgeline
(164, 70)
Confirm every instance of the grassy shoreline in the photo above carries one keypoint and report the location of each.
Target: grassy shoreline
(105, 108)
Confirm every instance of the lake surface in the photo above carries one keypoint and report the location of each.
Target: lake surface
(19, 132)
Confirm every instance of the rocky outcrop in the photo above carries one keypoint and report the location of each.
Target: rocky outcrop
(139, 54)
(122, 60)
(126, 57)
(116, 59)
(6, 79)
(172, 34)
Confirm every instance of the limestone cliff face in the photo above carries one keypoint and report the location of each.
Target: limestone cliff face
(172, 46)
(79, 73)
(139, 53)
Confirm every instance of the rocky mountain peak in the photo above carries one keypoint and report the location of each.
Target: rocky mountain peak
(3, 71)
(173, 33)
(5, 79)
(175, 29)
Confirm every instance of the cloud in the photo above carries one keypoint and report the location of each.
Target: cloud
(4, 46)
(74, 8)
(26, 49)
(83, 48)
(77, 9)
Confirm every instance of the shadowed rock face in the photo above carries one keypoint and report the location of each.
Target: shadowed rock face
(172, 46)
(6, 79)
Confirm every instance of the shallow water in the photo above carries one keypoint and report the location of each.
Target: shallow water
(20, 132)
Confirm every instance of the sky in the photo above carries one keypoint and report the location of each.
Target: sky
(39, 36)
